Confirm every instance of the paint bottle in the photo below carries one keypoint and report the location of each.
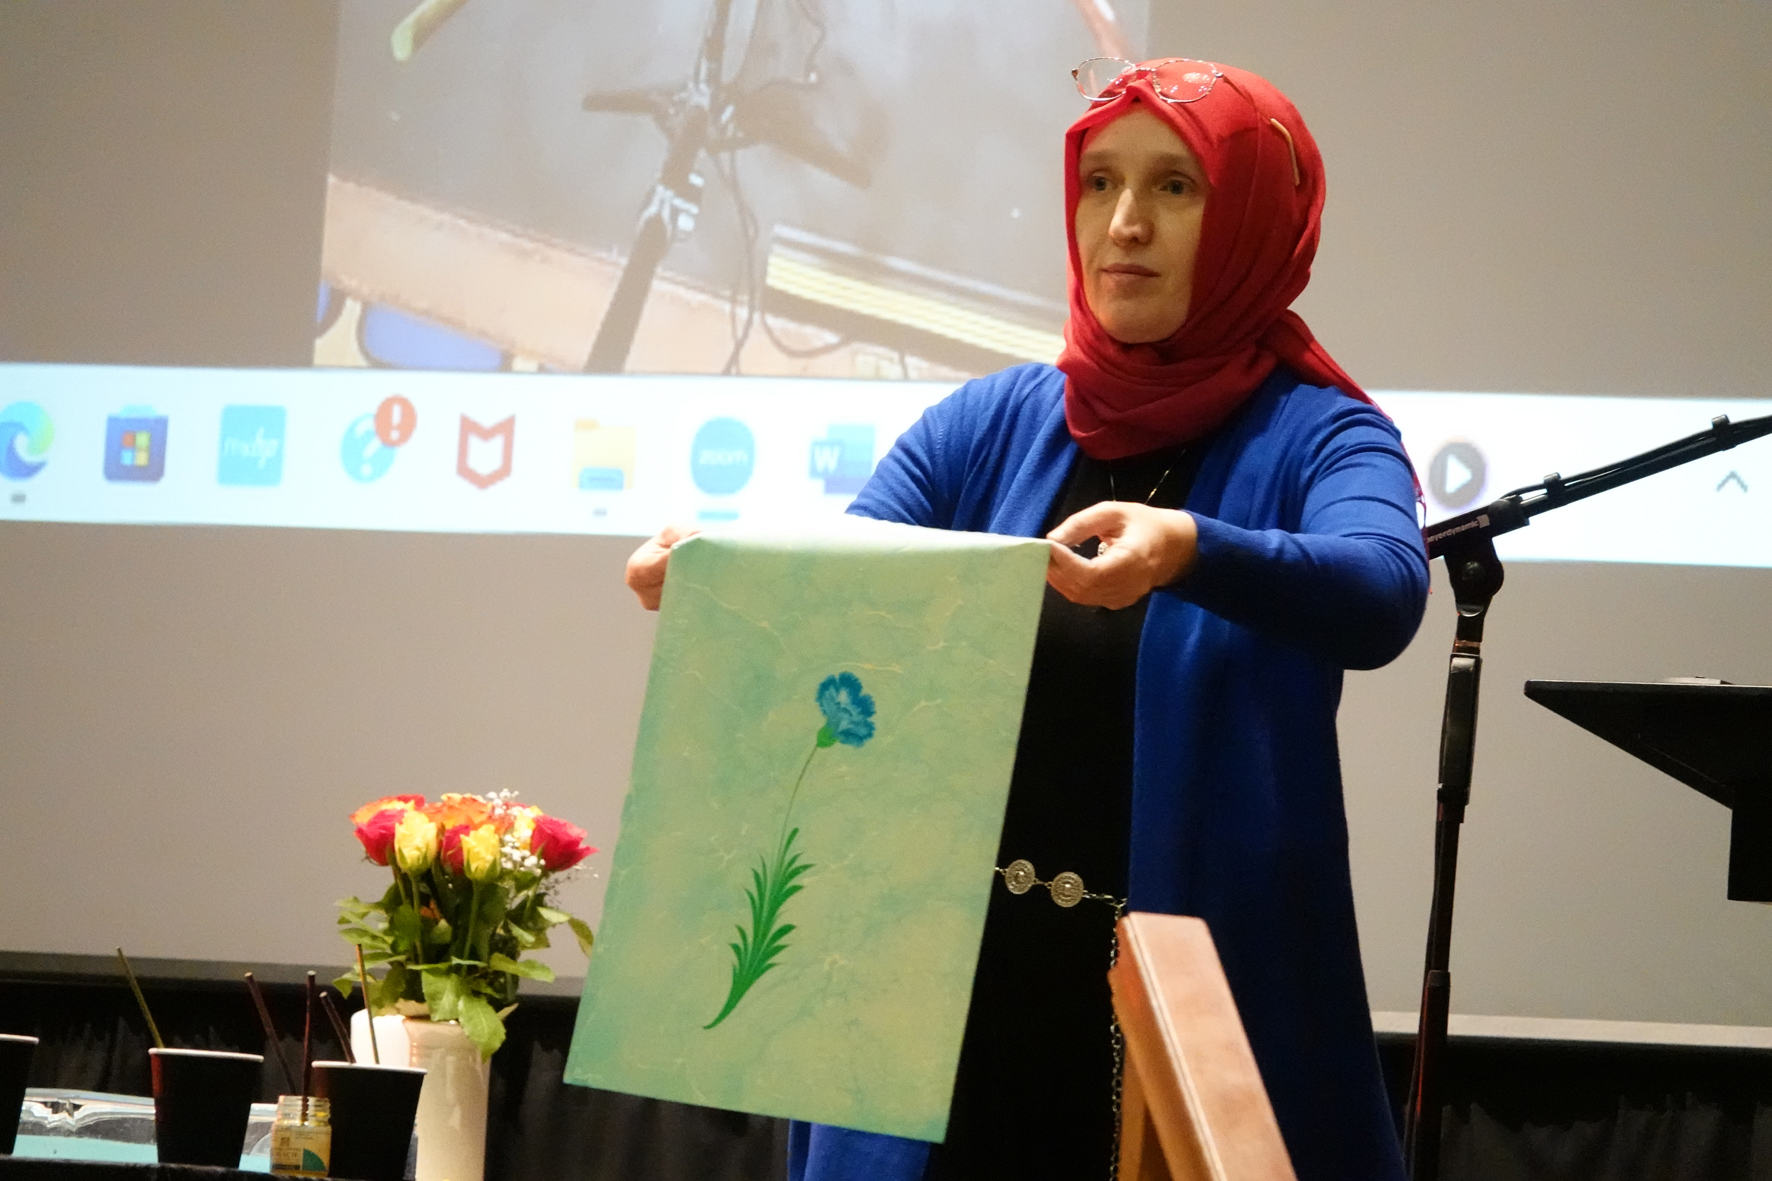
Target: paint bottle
(301, 1136)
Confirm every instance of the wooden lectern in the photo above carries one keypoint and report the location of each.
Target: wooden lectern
(1193, 1107)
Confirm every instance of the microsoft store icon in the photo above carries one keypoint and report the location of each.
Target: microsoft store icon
(135, 445)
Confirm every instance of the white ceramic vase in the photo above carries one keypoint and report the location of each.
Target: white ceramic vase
(452, 1103)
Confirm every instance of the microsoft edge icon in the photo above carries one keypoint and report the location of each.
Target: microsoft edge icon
(25, 436)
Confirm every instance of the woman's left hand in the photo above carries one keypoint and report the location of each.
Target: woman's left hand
(1142, 548)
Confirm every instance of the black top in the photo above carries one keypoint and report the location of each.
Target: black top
(1034, 1095)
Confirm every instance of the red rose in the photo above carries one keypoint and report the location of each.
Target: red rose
(377, 834)
(449, 848)
(558, 844)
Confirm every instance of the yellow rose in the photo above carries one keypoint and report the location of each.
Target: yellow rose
(479, 853)
(415, 842)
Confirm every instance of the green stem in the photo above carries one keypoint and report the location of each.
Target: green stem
(792, 796)
(405, 880)
(473, 919)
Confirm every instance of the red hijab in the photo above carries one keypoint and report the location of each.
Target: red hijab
(1257, 238)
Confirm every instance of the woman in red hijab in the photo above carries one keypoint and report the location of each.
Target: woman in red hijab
(1233, 525)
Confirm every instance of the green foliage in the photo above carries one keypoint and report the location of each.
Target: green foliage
(451, 947)
(772, 884)
(532, 969)
(483, 1026)
(582, 930)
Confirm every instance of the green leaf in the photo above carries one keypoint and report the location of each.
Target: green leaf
(440, 933)
(552, 917)
(481, 1024)
(346, 984)
(507, 1010)
(389, 989)
(366, 939)
(444, 992)
(529, 940)
(406, 925)
(364, 923)
(581, 929)
(825, 737)
(528, 969)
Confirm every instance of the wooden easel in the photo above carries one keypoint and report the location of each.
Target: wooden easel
(1193, 1107)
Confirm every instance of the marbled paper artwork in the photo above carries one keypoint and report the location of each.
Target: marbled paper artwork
(806, 851)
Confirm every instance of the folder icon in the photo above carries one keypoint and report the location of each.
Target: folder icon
(602, 456)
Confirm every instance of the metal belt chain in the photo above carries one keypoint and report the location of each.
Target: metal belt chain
(1067, 890)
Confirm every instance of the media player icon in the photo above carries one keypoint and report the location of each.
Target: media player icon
(1457, 475)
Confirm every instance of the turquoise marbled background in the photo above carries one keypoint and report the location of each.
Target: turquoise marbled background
(860, 1023)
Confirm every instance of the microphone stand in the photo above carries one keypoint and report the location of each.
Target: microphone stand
(1467, 543)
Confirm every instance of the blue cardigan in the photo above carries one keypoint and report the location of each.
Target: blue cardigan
(1310, 562)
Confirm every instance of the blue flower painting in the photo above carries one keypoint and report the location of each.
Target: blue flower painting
(848, 719)
(848, 712)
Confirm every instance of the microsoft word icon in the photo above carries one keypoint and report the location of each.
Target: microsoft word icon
(843, 459)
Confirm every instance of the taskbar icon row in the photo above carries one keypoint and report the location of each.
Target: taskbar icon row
(253, 442)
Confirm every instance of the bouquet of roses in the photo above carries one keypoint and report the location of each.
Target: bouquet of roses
(469, 897)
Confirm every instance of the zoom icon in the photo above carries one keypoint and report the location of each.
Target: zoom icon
(722, 456)
(1458, 474)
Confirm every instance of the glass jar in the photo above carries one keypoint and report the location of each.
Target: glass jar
(301, 1136)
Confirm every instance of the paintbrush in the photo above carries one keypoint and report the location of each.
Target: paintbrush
(338, 1025)
(141, 1000)
(363, 978)
(307, 1051)
(271, 1038)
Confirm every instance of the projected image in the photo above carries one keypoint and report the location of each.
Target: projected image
(837, 188)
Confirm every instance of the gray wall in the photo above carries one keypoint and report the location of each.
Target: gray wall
(188, 715)
(1589, 885)
(1527, 197)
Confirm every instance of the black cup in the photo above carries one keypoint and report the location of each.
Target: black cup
(15, 1064)
(202, 1100)
(373, 1108)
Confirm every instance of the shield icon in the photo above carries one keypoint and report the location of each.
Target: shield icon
(483, 457)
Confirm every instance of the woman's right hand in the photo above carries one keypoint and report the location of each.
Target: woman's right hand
(646, 567)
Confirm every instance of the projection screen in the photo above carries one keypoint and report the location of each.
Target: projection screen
(346, 349)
